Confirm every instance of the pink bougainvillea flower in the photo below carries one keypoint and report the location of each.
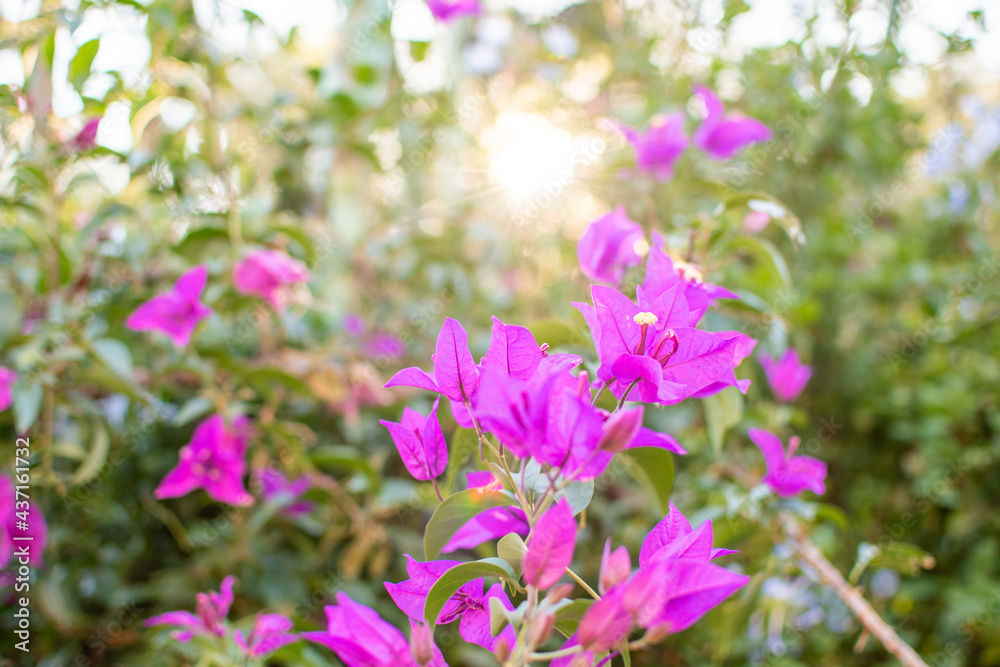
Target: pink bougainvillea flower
(269, 274)
(362, 638)
(672, 595)
(86, 138)
(513, 350)
(420, 442)
(489, 525)
(787, 473)
(177, 312)
(606, 623)
(469, 605)
(455, 372)
(274, 485)
(662, 273)
(607, 248)
(616, 566)
(550, 546)
(660, 146)
(674, 538)
(449, 10)
(270, 632)
(652, 349)
(788, 376)
(722, 136)
(209, 618)
(7, 380)
(11, 526)
(214, 460)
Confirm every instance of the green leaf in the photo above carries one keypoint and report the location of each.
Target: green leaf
(722, 411)
(655, 467)
(455, 512)
(903, 557)
(511, 548)
(557, 333)
(79, 66)
(26, 399)
(115, 354)
(568, 615)
(97, 455)
(191, 410)
(457, 577)
(463, 445)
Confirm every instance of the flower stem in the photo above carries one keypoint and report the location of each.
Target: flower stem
(583, 584)
(627, 392)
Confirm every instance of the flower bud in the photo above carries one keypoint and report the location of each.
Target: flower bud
(501, 651)
(541, 628)
(421, 643)
(619, 430)
(558, 593)
(616, 566)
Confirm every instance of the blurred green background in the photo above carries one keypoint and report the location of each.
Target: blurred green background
(411, 167)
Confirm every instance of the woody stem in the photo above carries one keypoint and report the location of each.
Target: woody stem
(860, 607)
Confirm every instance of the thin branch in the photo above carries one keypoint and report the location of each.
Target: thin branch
(863, 611)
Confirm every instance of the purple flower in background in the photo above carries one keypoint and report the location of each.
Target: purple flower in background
(673, 538)
(269, 274)
(86, 138)
(362, 638)
(607, 248)
(756, 221)
(274, 485)
(37, 528)
(788, 376)
(420, 442)
(209, 618)
(7, 380)
(455, 372)
(449, 10)
(177, 312)
(550, 546)
(469, 605)
(787, 473)
(270, 632)
(722, 136)
(660, 146)
(214, 460)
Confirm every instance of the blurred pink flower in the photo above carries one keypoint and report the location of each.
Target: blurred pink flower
(177, 312)
(787, 473)
(660, 146)
(787, 376)
(269, 274)
(274, 485)
(550, 546)
(7, 380)
(607, 248)
(449, 10)
(86, 138)
(722, 136)
(12, 526)
(755, 221)
(209, 618)
(270, 632)
(214, 460)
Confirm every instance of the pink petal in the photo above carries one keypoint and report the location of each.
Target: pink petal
(550, 546)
